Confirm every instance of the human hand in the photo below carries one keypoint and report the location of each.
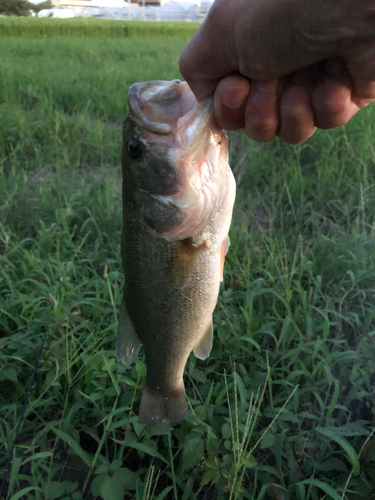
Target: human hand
(284, 67)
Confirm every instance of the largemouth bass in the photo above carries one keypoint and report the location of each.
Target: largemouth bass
(178, 196)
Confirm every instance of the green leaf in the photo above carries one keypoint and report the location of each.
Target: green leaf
(24, 491)
(109, 369)
(249, 461)
(164, 493)
(54, 489)
(96, 485)
(115, 465)
(210, 476)
(325, 487)
(102, 469)
(83, 455)
(148, 450)
(38, 456)
(241, 388)
(203, 412)
(192, 453)
(251, 341)
(332, 463)
(350, 429)
(14, 472)
(268, 440)
(347, 447)
(226, 431)
(212, 445)
(114, 487)
(9, 373)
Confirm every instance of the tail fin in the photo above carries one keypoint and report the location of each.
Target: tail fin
(158, 409)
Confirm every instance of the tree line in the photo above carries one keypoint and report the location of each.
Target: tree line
(21, 7)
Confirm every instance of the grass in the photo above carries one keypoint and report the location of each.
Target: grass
(91, 28)
(284, 407)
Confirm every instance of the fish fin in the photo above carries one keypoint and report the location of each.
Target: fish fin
(159, 410)
(127, 342)
(203, 349)
(158, 212)
(224, 251)
(184, 260)
(227, 244)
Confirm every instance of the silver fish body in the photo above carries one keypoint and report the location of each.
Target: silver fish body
(178, 196)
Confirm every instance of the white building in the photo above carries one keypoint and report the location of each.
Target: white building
(157, 10)
(104, 3)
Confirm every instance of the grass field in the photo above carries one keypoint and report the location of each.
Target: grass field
(284, 407)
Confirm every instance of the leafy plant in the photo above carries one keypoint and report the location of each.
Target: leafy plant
(15, 7)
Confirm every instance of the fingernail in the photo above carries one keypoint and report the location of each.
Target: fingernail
(235, 97)
(266, 86)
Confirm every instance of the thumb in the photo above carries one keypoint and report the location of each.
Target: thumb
(207, 58)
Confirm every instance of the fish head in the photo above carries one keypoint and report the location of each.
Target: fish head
(174, 158)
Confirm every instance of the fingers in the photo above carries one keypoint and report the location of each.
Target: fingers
(363, 93)
(230, 102)
(297, 122)
(332, 104)
(272, 107)
(319, 96)
(261, 116)
(332, 96)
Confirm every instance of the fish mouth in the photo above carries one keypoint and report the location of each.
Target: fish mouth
(160, 106)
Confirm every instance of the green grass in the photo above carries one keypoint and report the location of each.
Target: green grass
(284, 406)
(91, 28)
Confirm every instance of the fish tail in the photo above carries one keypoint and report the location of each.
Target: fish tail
(158, 408)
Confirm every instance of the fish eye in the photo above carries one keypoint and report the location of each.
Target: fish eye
(134, 149)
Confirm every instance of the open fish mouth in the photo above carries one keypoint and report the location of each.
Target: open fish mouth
(157, 106)
(163, 108)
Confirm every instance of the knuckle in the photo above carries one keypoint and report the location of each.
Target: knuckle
(296, 113)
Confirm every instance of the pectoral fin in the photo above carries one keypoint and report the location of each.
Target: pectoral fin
(184, 261)
(224, 251)
(203, 349)
(127, 342)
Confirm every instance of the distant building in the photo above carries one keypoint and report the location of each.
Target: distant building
(92, 3)
(75, 3)
(157, 10)
(156, 3)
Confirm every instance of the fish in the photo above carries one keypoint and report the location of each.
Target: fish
(178, 195)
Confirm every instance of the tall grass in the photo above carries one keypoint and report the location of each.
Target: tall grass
(283, 408)
(91, 28)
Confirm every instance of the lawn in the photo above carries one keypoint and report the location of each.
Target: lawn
(283, 409)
